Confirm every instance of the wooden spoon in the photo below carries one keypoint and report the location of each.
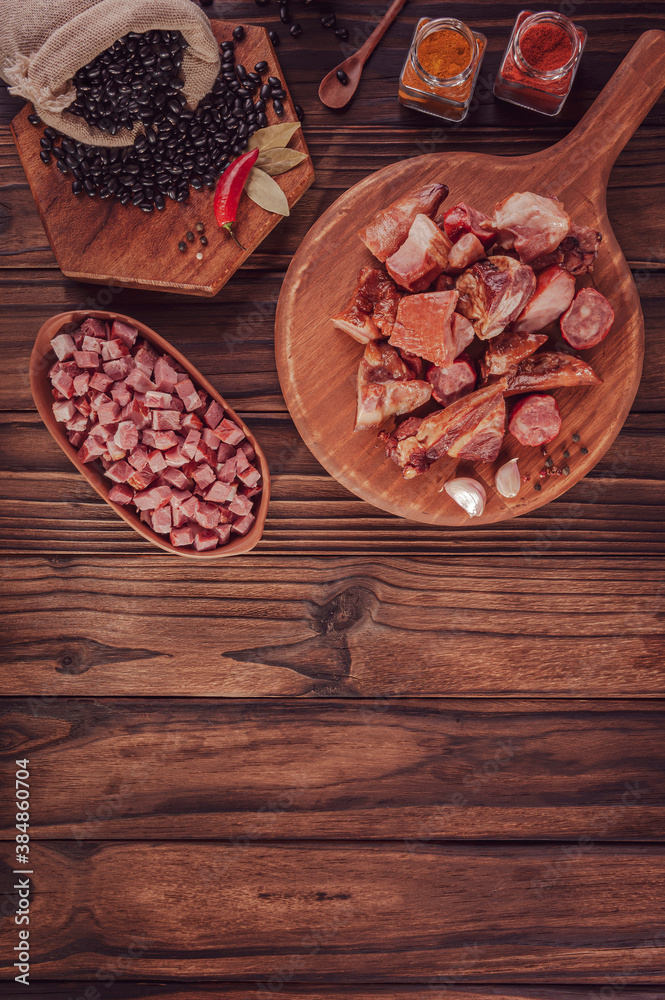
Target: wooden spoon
(334, 94)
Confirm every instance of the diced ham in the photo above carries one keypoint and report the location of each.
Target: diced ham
(121, 394)
(242, 525)
(113, 349)
(121, 493)
(161, 521)
(98, 399)
(207, 515)
(121, 368)
(91, 448)
(156, 461)
(191, 444)
(81, 383)
(86, 359)
(250, 476)
(204, 540)
(83, 405)
(178, 518)
(64, 383)
(64, 410)
(190, 422)
(421, 258)
(141, 480)
(190, 507)
(139, 458)
(213, 414)
(165, 376)
(92, 344)
(221, 492)
(247, 449)
(224, 532)
(137, 413)
(78, 422)
(242, 462)
(136, 379)
(100, 382)
(183, 536)
(158, 400)
(165, 420)
(175, 458)
(203, 475)
(152, 498)
(146, 359)
(240, 505)
(210, 438)
(174, 477)
(120, 472)
(188, 394)
(93, 327)
(76, 439)
(127, 435)
(108, 413)
(122, 331)
(63, 346)
(226, 473)
(180, 497)
(203, 453)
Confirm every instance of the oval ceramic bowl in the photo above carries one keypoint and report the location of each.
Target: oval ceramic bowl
(41, 360)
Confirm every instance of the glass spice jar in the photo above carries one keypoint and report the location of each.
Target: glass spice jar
(540, 61)
(441, 68)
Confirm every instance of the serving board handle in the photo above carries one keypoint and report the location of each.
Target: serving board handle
(596, 141)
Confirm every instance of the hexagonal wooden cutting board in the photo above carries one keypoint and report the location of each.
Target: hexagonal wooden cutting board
(106, 242)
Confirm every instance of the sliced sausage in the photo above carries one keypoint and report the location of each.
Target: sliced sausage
(454, 381)
(588, 320)
(535, 420)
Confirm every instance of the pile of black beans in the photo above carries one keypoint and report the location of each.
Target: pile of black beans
(180, 149)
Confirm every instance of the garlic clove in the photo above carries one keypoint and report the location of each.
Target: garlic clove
(468, 493)
(508, 479)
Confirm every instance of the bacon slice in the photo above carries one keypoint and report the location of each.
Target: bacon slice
(507, 350)
(555, 290)
(533, 225)
(452, 428)
(493, 293)
(549, 371)
(588, 320)
(421, 258)
(370, 315)
(461, 220)
(385, 233)
(535, 420)
(451, 383)
(386, 387)
(426, 326)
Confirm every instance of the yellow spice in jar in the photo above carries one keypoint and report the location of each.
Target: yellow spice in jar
(444, 53)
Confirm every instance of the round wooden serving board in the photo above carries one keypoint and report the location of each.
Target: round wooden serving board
(318, 364)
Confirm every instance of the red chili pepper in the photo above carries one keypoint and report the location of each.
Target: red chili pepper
(229, 188)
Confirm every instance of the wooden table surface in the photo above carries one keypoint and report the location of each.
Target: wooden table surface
(372, 759)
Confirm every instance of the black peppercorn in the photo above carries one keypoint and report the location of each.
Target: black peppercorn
(182, 246)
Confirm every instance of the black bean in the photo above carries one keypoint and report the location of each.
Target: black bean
(60, 155)
(328, 21)
(296, 30)
(342, 33)
(255, 78)
(262, 121)
(89, 187)
(34, 119)
(46, 143)
(278, 92)
(284, 14)
(239, 33)
(273, 36)
(342, 77)
(265, 92)
(262, 3)
(278, 107)
(261, 67)
(147, 206)
(50, 132)
(299, 112)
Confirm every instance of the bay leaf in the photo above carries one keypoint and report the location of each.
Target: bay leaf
(273, 136)
(266, 192)
(278, 161)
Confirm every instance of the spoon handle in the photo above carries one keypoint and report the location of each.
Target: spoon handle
(365, 51)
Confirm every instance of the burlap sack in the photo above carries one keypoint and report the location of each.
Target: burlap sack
(44, 42)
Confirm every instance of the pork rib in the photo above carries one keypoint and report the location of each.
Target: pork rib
(386, 386)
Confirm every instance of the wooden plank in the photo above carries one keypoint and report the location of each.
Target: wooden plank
(375, 912)
(371, 769)
(111, 986)
(261, 626)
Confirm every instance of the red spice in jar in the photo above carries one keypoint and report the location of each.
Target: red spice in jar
(546, 47)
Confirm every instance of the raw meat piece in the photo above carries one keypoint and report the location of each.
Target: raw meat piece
(121, 368)
(92, 344)
(83, 405)
(203, 475)
(177, 517)
(75, 439)
(421, 258)
(462, 220)
(386, 232)
(136, 379)
(141, 480)
(588, 320)
(64, 410)
(120, 472)
(454, 381)
(86, 359)
(207, 515)
(64, 383)
(113, 349)
(210, 438)
(180, 496)
(535, 420)
(164, 440)
(156, 461)
(507, 350)
(204, 540)
(98, 399)
(127, 435)
(157, 400)
(493, 293)
(203, 453)
(190, 507)
(63, 345)
(79, 422)
(152, 498)
(188, 394)
(146, 359)
(386, 387)
(93, 327)
(465, 252)
(161, 521)
(165, 420)
(121, 493)
(424, 327)
(246, 448)
(242, 524)
(549, 371)
(485, 443)
(100, 382)
(183, 536)
(371, 312)
(229, 432)
(81, 383)
(221, 492)
(214, 414)
(122, 331)
(530, 224)
(555, 290)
